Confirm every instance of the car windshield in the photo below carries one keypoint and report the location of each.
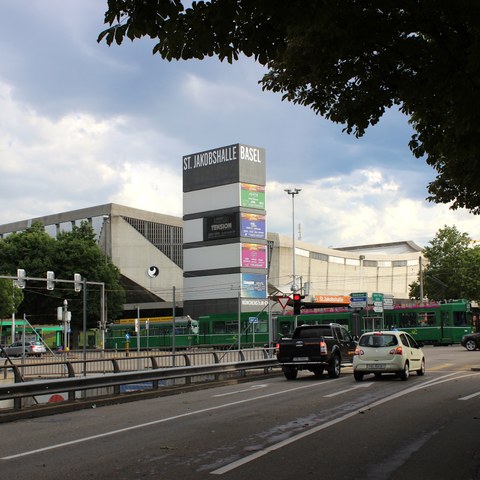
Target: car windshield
(378, 340)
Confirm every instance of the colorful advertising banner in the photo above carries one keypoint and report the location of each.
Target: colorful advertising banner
(254, 285)
(252, 196)
(252, 225)
(340, 299)
(254, 255)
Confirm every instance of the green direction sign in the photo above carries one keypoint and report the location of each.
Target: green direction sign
(377, 297)
(363, 294)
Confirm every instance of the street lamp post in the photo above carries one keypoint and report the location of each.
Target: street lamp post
(293, 192)
(108, 249)
(106, 240)
(362, 259)
(65, 320)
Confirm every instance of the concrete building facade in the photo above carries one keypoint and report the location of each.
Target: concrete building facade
(147, 247)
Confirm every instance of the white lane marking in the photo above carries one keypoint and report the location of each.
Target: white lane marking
(253, 387)
(288, 441)
(156, 422)
(363, 385)
(468, 397)
(261, 453)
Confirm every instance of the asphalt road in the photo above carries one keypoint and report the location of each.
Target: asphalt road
(424, 428)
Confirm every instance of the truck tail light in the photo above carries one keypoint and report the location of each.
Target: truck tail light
(323, 348)
(396, 351)
(277, 349)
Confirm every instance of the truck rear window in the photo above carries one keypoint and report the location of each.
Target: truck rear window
(313, 332)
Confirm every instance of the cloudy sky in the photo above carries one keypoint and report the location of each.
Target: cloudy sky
(82, 124)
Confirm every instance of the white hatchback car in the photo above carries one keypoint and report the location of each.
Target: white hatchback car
(388, 352)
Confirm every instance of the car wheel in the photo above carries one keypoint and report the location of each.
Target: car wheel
(290, 373)
(335, 367)
(470, 345)
(405, 372)
(318, 371)
(421, 371)
(358, 376)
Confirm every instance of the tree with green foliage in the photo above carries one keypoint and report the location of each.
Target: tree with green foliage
(10, 297)
(452, 267)
(33, 251)
(71, 252)
(77, 251)
(348, 60)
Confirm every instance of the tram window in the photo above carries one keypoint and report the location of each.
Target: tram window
(219, 327)
(285, 328)
(231, 327)
(460, 319)
(261, 327)
(426, 319)
(407, 319)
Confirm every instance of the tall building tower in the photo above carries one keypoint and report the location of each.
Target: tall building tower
(224, 230)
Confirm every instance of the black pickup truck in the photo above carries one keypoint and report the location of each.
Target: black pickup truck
(316, 348)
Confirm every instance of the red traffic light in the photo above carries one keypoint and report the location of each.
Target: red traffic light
(297, 297)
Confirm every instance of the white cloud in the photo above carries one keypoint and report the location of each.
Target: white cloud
(49, 166)
(360, 208)
(88, 124)
(149, 187)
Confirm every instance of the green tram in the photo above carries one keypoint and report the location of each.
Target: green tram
(50, 335)
(154, 332)
(438, 324)
(441, 323)
(222, 330)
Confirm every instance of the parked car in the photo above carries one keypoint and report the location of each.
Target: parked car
(388, 352)
(31, 348)
(471, 341)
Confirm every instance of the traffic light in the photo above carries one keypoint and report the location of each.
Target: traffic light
(50, 280)
(21, 278)
(297, 303)
(77, 282)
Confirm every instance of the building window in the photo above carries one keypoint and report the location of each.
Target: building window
(167, 238)
(319, 256)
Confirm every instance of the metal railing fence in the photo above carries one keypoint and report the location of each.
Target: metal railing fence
(108, 384)
(73, 363)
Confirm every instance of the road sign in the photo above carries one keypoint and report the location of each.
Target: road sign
(253, 319)
(377, 297)
(283, 301)
(358, 305)
(388, 302)
(358, 300)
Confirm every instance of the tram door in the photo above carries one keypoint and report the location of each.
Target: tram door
(356, 325)
(371, 324)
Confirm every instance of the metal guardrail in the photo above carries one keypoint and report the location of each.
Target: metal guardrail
(74, 363)
(111, 382)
